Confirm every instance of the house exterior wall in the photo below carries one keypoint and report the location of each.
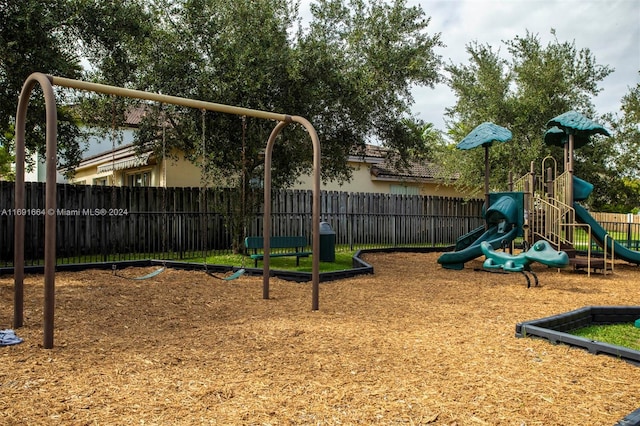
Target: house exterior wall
(98, 144)
(181, 173)
(89, 175)
(38, 173)
(363, 181)
(86, 176)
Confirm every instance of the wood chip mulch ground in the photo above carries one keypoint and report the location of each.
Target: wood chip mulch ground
(412, 344)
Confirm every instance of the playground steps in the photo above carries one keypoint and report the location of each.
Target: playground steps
(597, 264)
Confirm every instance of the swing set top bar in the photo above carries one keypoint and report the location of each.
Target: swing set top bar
(175, 100)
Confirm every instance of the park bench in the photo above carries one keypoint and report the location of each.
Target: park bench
(284, 246)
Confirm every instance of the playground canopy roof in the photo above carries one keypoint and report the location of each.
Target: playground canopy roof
(485, 135)
(572, 122)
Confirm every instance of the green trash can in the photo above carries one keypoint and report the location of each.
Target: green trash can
(327, 243)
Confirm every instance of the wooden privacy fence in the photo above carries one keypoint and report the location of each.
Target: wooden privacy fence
(99, 223)
(367, 219)
(616, 217)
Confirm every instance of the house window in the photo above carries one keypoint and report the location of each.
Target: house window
(140, 179)
(100, 181)
(404, 190)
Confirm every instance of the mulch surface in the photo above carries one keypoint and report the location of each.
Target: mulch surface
(412, 344)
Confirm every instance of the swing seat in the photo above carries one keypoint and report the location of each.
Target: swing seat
(236, 274)
(150, 274)
(144, 277)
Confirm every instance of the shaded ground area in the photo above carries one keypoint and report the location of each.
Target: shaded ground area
(412, 344)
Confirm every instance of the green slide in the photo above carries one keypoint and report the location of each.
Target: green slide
(502, 219)
(598, 233)
(581, 190)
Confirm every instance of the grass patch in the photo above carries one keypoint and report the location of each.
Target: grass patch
(626, 334)
(344, 260)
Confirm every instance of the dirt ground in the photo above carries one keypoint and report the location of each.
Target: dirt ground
(412, 344)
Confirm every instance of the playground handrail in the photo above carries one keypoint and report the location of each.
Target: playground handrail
(584, 225)
(545, 220)
(519, 184)
(560, 185)
(613, 249)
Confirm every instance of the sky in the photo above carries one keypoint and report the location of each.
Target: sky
(610, 29)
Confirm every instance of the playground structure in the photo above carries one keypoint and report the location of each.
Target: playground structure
(545, 207)
(47, 82)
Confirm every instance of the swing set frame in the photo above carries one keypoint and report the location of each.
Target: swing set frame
(47, 82)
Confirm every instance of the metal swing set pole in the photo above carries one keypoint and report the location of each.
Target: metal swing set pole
(47, 82)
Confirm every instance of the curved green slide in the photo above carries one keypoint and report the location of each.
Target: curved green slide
(582, 189)
(598, 233)
(503, 227)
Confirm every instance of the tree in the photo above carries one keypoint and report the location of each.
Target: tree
(51, 37)
(6, 159)
(359, 61)
(350, 73)
(106, 34)
(33, 38)
(523, 92)
(354, 84)
(619, 189)
(627, 134)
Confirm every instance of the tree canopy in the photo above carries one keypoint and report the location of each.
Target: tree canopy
(349, 72)
(33, 37)
(522, 92)
(620, 184)
(52, 37)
